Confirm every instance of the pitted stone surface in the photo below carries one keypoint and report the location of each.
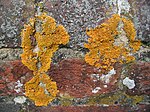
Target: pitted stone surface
(141, 17)
(76, 16)
(13, 15)
(7, 54)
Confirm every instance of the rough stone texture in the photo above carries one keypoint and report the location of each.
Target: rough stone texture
(141, 18)
(13, 15)
(8, 54)
(66, 53)
(139, 108)
(144, 54)
(140, 72)
(77, 16)
(9, 107)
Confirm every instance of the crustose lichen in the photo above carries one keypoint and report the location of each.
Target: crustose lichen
(103, 52)
(40, 39)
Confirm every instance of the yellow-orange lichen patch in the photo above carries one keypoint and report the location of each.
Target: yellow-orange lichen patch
(103, 53)
(41, 89)
(129, 29)
(28, 57)
(40, 39)
(131, 34)
(135, 45)
(48, 38)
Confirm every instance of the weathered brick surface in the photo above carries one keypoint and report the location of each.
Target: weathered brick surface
(10, 73)
(140, 72)
(10, 54)
(9, 107)
(140, 11)
(139, 108)
(74, 77)
(75, 15)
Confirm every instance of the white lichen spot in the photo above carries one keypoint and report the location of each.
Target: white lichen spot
(122, 39)
(96, 90)
(105, 86)
(20, 99)
(18, 86)
(123, 6)
(105, 105)
(129, 83)
(44, 86)
(106, 78)
(95, 77)
(36, 49)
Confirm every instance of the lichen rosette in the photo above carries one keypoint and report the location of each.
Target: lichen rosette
(103, 52)
(40, 39)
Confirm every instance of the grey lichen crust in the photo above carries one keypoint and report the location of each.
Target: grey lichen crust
(13, 15)
(65, 53)
(76, 16)
(8, 54)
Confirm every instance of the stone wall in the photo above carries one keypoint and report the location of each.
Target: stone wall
(80, 88)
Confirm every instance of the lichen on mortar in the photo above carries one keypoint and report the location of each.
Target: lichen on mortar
(116, 98)
(103, 50)
(40, 39)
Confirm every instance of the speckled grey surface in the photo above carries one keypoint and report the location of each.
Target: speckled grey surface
(75, 15)
(13, 15)
(9, 107)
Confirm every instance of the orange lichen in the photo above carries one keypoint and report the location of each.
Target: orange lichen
(37, 56)
(41, 89)
(131, 34)
(103, 53)
(28, 56)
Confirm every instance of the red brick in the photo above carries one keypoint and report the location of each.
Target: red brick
(19, 70)
(73, 76)
(140, 72)
(139, 108)
(10, 72)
